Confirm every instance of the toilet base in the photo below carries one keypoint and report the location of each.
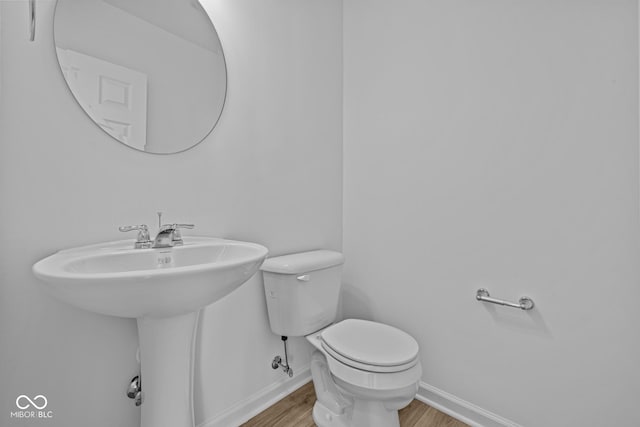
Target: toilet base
(340, 404)
(371, 413)
(364, 413)
(323, 417)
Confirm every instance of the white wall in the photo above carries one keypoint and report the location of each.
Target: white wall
(270, 173)
(495, 144)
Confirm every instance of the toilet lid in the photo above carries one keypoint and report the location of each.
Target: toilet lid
(369, 343)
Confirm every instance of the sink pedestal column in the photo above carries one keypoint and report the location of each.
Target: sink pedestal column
(167, 350)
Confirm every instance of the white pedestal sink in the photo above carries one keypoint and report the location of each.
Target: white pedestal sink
(164, 289)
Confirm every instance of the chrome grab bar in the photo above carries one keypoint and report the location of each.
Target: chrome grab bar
(524, 303)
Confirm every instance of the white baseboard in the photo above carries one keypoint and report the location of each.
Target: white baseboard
(451, 405)
(247, 408)
(460, 409)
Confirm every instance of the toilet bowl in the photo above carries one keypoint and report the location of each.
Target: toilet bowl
(362, 371)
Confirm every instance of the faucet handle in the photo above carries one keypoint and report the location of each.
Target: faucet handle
(141, 227)
(189, 226)
(177, 236)
(174, 227)
(143, 240)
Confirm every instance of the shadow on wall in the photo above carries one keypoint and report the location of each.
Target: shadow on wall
(354, 303)
(530, 323)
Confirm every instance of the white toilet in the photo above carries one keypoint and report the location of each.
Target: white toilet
(363, 371)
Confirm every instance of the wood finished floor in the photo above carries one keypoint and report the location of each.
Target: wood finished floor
(295, 411)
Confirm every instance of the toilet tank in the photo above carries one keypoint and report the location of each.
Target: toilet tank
(302, 291)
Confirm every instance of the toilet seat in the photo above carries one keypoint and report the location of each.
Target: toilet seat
(368, 378)
(367, 367)
(370, 346)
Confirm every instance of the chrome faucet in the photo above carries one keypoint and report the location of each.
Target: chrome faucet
(169, 235)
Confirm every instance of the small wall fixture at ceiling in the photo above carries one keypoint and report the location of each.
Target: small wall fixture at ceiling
(32, 20)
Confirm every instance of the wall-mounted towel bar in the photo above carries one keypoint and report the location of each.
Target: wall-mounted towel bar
(524, 303)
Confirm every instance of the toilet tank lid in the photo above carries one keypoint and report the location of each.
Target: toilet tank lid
(303, 262)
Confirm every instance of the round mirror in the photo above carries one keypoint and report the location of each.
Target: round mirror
(150, 73)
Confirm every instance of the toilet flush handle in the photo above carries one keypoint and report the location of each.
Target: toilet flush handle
(304, 278)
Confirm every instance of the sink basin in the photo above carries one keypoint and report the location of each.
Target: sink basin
(117, 280)
(165, 290)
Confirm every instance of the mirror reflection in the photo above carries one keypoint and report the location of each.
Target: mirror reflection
(150, 74)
